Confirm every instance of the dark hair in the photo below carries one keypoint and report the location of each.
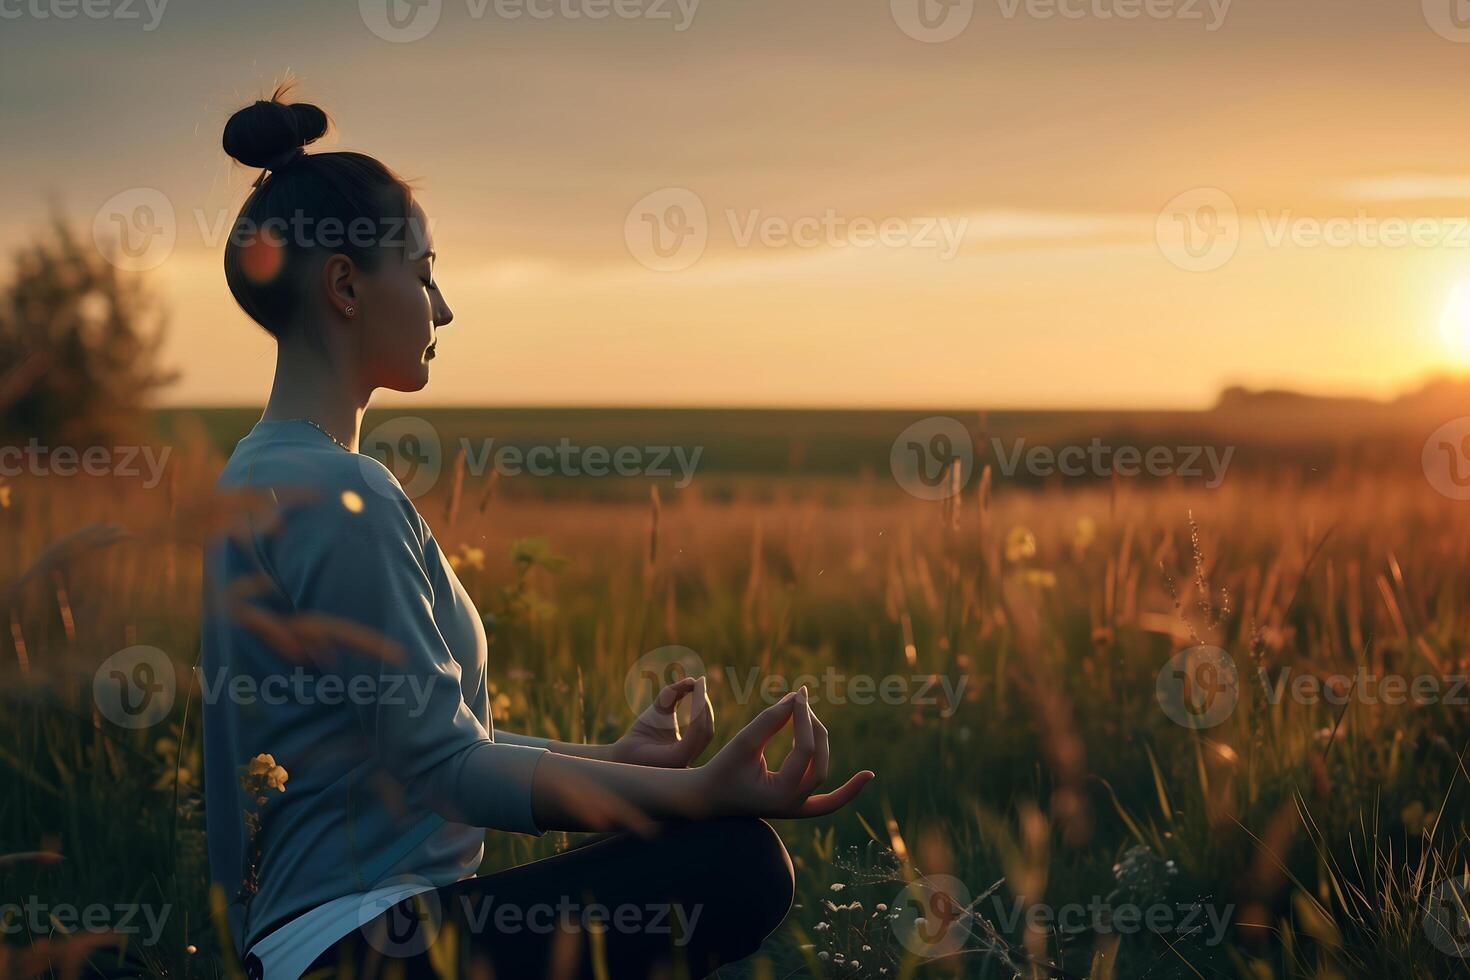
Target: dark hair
(310, 206)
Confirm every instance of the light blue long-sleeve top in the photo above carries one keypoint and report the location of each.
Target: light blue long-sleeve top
(381, 717)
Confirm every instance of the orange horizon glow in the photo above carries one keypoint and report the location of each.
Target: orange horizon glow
(1030, 172)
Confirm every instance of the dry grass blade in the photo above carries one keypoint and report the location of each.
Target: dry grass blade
(62, 553)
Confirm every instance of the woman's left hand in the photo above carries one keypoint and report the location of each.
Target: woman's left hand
(656, 738)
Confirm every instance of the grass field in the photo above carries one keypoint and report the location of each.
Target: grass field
(1292, 839)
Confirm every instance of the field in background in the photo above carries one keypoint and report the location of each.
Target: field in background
(1273, 434)
(1049, 605)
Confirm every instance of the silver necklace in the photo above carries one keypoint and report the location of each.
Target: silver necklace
(325, 433)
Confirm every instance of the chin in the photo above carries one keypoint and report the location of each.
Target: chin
(416, 381)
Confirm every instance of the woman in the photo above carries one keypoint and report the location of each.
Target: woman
(347, 812)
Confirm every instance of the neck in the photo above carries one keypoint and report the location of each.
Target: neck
(311, 385)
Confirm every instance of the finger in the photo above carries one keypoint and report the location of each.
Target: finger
(708, 715)
(701, 729)
(672, 694)
(661, 712)
(758, 731)
(816, 773)
(825, 803)
(794, 767)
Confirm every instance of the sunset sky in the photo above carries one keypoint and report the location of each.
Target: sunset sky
(1023, 168)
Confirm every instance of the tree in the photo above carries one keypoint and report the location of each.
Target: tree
(79, 342)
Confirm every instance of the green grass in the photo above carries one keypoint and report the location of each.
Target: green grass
(1322, 829)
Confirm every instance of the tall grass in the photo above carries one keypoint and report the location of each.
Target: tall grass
(1323, 829)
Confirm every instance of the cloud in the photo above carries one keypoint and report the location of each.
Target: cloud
(925, 243)
(1029, 228)
(1409, 187)
(514, 273)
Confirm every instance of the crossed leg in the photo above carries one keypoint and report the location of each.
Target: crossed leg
(694, 897)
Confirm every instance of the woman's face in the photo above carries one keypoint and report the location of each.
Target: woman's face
(399, 310)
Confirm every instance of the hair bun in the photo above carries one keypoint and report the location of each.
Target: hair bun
(260, 133)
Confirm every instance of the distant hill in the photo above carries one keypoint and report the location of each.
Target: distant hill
(1297, 415)
(1438, 396)
(1238, 399)
(1434, 394)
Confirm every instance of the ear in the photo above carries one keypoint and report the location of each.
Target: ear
(340, 279)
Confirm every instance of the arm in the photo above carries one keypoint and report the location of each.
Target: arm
(658, 737)
(551, 745)
(581, 794)
(571, 793)
(368, 567)
(365, 568)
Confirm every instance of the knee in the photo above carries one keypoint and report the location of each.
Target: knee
(758, 869)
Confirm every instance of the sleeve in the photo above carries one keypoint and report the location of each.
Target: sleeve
(358, 556)
(515, 738)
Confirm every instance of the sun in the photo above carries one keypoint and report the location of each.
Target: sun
(1454, 322)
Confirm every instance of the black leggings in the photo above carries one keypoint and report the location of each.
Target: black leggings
(697, 895)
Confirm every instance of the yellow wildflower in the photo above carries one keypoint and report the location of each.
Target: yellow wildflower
(1085, 534)
(468, 557)
(262, 774)
(1020, 544)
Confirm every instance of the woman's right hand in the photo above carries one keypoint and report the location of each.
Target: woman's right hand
(737, 782)
(580, 794)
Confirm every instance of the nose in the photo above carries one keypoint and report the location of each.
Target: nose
(443, 315)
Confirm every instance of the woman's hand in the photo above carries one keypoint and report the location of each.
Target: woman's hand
(656, 739)
(587, 793)
(736, 782)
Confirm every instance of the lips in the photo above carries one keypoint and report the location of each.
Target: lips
(429, 353)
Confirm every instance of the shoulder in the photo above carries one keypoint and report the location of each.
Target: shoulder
(324, 486)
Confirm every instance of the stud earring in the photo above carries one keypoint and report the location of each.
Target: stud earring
(349, 311)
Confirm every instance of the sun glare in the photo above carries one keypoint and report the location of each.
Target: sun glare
(1454, 323)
